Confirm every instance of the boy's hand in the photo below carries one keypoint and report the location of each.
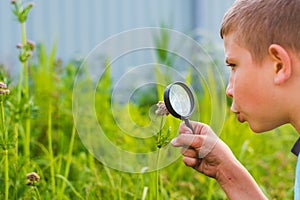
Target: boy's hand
(206, 153)
(203, 151)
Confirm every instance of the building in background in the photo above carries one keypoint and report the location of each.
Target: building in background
(77, 26)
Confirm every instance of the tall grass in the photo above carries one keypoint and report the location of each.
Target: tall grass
(4, 142)
(76, 174)
(26, 47)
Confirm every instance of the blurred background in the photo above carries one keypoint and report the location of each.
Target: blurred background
(77, 26)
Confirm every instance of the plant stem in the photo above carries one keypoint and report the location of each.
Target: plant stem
(17, 117)
(16, 135)
(24, 38)
(111, 180)
(159, 133)
(26, 96)
(144, 193)
(4, 141)
(49, 133)
(2, 120)
(157, 175)
(159, 145)
(6, 175)
(37, 192)
(69, 160)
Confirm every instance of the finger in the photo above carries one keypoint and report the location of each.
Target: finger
(203, 144)
(198, 127)
(183, 129)
(187, 152)
(191, 162)
(188, 141)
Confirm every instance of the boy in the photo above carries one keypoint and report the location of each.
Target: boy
(262, 48)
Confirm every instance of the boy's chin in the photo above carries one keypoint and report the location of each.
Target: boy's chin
(261, 128)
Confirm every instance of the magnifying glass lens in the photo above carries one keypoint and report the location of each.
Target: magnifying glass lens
(180, 100)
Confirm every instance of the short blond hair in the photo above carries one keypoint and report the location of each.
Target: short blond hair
(257, 24)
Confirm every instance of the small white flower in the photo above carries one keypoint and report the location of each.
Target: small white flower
(3, 88)
(32, 178)
(161, 109)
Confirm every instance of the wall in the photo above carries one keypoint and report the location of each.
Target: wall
(77, 26)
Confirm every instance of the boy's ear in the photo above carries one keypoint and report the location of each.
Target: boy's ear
(282, 63)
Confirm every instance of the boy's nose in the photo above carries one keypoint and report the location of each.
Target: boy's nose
(229, 92)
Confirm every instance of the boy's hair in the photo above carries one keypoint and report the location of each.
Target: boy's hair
(257, 24)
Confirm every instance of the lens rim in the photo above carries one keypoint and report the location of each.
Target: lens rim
(168, 102)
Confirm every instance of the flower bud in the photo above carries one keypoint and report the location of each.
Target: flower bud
(31, 45)
(3, 85)
(19, 46)
(32, 178)
(161, 109)
(5, 91)
(30, 5)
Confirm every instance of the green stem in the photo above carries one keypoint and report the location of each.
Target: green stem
(4, 141)
(111, 180)
(144, 193)
(16, 135)
(26, 95)
(159, 133)
(24, 38)
(37, 193)
(16, 125)
(6, 175)
(4, 134)
(20, 86)
(27, 135)
(69, 160)
(159, 145)
(157, 175)
(50, 148)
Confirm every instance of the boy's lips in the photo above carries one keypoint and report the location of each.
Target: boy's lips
(238, 114)
(239, 117)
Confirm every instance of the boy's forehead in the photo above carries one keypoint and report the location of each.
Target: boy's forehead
(229, 45)
(233, 50)
(230, 40)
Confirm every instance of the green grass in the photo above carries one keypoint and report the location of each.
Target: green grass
(69, 171)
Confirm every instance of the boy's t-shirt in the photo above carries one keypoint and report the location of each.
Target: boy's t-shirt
(297, 181)
(296, 150)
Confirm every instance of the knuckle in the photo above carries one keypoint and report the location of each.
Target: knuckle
(183, 150)
(197, 141)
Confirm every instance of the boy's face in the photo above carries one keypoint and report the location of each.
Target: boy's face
(251, 85)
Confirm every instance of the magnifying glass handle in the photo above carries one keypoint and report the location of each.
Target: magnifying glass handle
(187, 123)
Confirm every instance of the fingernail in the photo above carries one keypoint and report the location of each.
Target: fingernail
(173, 142)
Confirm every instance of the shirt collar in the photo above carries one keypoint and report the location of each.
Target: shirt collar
(296, 148)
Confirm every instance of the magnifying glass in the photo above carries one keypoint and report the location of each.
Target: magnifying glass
(180, 102)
